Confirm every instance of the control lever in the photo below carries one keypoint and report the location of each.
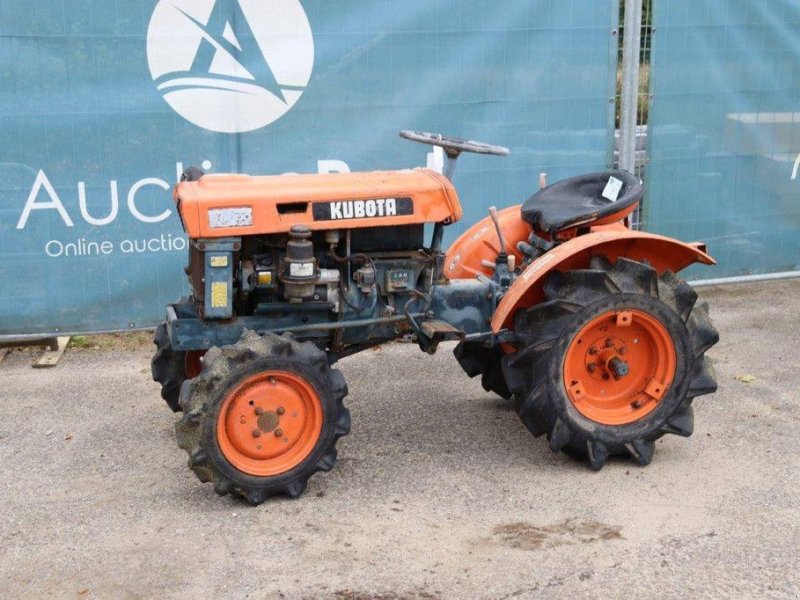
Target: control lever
(512, 263)
(502, 256)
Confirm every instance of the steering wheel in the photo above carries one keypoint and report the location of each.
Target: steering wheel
(453, 146)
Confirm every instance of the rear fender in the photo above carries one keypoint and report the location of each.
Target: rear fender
(479, 242)
(662, 253)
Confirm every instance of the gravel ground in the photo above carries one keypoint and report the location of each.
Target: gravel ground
(439, 492)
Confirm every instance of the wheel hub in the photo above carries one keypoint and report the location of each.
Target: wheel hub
(269, 423)
(619, 366)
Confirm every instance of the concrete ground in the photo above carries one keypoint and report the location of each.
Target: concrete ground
(439, 493)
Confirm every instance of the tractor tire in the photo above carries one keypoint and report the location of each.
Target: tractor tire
(476, 359)
(611, 360)
(171, 367)
(262, 417)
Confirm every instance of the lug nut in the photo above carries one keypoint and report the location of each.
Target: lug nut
(609, 343)
(591, 367)
(259, 410)
(593, 351)
(279, 433)
(280, 410)
(256, 433)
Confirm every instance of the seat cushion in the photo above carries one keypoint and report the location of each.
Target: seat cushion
(580, 200)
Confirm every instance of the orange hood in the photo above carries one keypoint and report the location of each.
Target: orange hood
(238, 205)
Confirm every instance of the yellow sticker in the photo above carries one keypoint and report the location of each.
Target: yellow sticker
(219, 294)
(264, 278)
(219, 261)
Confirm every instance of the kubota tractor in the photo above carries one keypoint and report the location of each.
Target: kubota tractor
(555, 302)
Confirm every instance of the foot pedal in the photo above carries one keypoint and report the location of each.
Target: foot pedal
(440, 331)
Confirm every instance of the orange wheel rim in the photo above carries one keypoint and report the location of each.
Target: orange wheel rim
(619, 367)
(193, 363)
(269, 423)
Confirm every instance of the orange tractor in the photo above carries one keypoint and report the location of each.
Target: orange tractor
(555, 302)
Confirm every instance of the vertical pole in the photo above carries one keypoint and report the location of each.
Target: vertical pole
(631, 44)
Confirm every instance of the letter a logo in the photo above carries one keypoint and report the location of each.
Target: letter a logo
(230, 65)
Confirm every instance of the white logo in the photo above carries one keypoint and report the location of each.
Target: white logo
(230, 65)
(358, 209)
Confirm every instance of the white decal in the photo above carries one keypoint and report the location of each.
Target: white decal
(301, 269)
(112, 213)
(230, 217)
(42, 196)
(479, 233)
(358, 209)
(230, 66)
(537, 266)
(132, 200)
(43, 182)
(82, 247)
(435, 159)
(332, 166)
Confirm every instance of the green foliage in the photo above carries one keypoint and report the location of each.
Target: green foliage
(80, 341)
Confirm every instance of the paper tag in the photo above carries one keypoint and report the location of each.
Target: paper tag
(611, 191)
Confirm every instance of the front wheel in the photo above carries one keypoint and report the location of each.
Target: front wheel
(262, 417)
(477, 359)
(170, 368)
(611, 361)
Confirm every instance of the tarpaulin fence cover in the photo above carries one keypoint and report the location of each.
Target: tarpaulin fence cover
(102, 103)
(724, 131)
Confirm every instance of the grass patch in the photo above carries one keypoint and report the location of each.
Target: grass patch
(80, 341)
(113, 341)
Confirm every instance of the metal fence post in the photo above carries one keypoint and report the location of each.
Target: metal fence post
(631, 44)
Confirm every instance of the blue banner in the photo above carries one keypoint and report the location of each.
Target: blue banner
(724, 132)
(103, 104)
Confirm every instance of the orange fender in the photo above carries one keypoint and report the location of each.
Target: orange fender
(463, 259)
(611, 241)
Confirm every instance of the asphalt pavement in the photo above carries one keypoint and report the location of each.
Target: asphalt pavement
(440, 492)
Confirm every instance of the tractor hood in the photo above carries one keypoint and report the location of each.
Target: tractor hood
(238, 205)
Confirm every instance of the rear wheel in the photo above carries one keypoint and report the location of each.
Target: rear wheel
(477, 359)
(611, 361)
(171, 367)
(262, 417)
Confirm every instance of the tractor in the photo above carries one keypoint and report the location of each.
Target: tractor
(555, 303)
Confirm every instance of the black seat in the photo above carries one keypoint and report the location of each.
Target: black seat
(579, 200)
